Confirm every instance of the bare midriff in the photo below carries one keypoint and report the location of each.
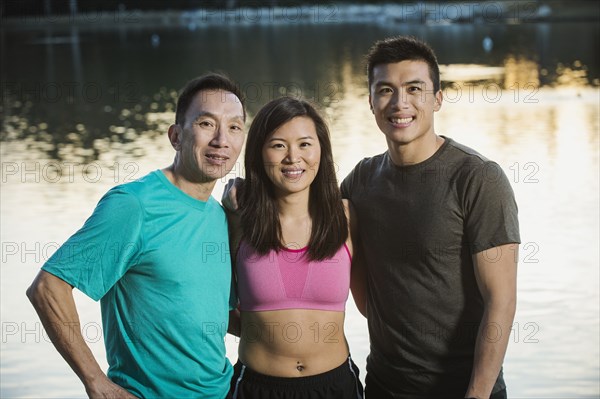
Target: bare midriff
(293, 342)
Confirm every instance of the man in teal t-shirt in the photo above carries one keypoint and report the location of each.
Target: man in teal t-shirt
(155, 252)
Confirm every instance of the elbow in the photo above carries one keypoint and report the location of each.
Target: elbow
(509, 303)
(44, 287)
(506, 305)
(34, 292)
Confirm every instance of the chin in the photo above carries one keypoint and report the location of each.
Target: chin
(403, 137)
(216, 172)
(399, 140)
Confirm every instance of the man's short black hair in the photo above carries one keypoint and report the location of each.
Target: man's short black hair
(403, 48)
(211, 81)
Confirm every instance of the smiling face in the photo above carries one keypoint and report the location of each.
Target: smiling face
(291, 156)
(403, 102)
(212, 136)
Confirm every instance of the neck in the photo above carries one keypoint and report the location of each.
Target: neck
(293, 206)
(294, 219)
(416, 151)
(198, 190)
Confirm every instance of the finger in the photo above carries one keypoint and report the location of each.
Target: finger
(230, 183)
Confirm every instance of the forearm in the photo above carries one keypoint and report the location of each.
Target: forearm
(52, 299)
(490, 348)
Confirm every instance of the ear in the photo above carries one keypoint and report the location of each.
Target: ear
(439, 98)
(371, 104)
(175, 138)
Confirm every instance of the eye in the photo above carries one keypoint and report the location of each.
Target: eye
(414, 89)
(305, 144)
(236, 128)
(277, 145)
(205, 123)
(385, 90)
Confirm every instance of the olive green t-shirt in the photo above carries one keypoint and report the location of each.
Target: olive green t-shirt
(420, 225)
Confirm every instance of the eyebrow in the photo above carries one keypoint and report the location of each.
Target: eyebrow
(301, 138)
(209, 114)
(412, 82)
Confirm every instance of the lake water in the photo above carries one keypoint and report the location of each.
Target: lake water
(87, 107)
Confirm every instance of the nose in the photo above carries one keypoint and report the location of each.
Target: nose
(399, 99)
(292, 155)
(221, 137)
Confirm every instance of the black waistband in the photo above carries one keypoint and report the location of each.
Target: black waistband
(297, 382)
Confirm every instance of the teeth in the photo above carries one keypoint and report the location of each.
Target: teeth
(292, 172)
(216, 157)
(401, 120)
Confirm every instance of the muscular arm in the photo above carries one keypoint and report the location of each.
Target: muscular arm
(358, 276)
(496, 274)
(52, 299)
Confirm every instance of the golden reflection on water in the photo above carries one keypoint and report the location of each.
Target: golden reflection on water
(546, 138)
(520, 72)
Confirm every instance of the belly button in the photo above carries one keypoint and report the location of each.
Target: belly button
(299, 366)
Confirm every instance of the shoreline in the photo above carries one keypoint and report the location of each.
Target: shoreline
(478, 13)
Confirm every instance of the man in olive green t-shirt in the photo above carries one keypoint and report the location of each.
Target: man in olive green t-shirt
(439, 230)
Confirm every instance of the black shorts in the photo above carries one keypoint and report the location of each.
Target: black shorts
(340, 383)
(375, 390)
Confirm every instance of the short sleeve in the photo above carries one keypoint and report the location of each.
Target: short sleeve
(101, 252)
(491, 214)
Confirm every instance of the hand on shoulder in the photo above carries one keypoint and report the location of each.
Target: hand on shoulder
(231, 192)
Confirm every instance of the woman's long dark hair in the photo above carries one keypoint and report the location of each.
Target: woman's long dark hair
(260, 216)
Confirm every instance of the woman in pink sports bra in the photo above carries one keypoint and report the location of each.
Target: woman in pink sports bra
(293, 262)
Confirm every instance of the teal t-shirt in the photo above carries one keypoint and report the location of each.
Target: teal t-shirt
(158, 260)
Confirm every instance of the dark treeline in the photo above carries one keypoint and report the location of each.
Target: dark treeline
(10, 8)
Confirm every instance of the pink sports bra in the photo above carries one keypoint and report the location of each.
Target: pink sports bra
(286, 280)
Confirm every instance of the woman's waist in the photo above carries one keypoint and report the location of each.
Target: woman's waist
(311, 339)
(293, 359)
